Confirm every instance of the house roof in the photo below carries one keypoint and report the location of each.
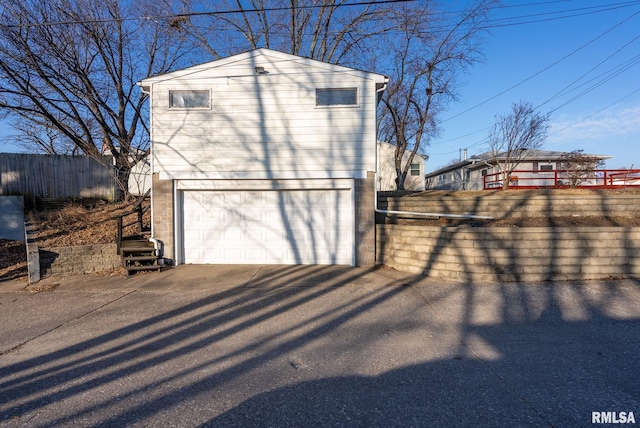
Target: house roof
(256, 54)
(487, 157)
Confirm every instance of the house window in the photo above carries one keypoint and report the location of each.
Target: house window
(337, 97)
(415, 169)
(189, 99)
(485, 172)
(546, 167)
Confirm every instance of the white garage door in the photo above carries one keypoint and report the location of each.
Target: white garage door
(268, 227)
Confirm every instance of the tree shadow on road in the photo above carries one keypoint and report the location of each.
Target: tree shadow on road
(340, 354)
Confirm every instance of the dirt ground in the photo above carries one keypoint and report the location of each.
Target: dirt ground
(96, 223)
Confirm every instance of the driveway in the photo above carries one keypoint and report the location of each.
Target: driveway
(316, 346)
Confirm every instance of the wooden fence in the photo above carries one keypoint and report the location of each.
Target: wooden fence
(57, 176)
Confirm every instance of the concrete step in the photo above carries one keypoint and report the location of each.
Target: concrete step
(137, 250)
(126, 243)
(133, 269)
(139, 258)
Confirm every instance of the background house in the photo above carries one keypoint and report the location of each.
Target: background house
(468, 174)
(264, 157)
(140, 178)
(387, 170)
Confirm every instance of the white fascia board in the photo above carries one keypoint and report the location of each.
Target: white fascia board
(240, 175)
(264, 184)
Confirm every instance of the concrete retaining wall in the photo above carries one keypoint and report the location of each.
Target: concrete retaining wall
(511, 254)
(518, 203)
(78, 260)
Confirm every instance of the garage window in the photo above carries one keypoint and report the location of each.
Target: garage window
(189, 99)
(337, 97)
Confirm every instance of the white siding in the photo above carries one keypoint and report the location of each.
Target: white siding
(387, 170)
(263, 126)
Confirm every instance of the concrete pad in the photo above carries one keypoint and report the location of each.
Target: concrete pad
(181, 278)
(217, 277)
(13, 285)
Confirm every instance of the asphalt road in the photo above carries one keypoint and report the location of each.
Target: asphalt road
(316, 346)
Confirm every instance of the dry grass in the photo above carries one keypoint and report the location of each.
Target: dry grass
(73, 224)
(13, 259)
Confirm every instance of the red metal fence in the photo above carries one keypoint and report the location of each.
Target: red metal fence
(563, 179)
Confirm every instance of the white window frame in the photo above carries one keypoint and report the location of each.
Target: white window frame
(174, 92)
(414, 168)
(357, 98)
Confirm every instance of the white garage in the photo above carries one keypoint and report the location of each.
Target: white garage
(264, 158)
(293, 226)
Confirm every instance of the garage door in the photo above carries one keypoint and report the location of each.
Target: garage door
(268, 227)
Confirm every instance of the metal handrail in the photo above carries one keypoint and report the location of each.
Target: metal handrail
(560, 178)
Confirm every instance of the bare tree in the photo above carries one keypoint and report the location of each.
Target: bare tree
(68, 67)
(578, 167)
(513, 137)
(427, 58)
(68, 70)
(332, 31)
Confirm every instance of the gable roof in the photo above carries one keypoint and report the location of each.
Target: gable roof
(256, 55)
(487, 157)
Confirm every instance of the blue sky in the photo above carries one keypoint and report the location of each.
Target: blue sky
(588, 51)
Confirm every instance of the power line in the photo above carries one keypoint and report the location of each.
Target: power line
(542, 70)
(207, 13)
(584, 11)
(490, 23)
(566, 89)
(603, 78)
(596, 112)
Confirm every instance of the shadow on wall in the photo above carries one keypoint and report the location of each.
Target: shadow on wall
(47, 259)
(557, 250)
